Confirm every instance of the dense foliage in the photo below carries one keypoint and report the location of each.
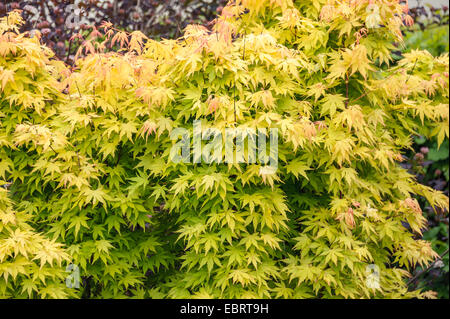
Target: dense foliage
(85, 154)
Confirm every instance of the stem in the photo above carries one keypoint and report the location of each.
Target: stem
(53, 150)
(365, 93)
(68, 50)
(412, 71)
(243, 53)
(427, 269)
(346, 90)
(234, 99)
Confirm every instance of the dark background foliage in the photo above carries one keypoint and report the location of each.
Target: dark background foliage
(428, 162)
(59, 20)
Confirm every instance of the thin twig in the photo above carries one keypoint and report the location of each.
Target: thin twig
(346, 90)
(53, 149)
(234, 99)
(243, 54)
(427, 269)
(412, 71)
(78, 89)
(363, 95)
(70, 47)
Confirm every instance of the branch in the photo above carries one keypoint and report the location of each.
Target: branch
(427, 269)
(346, 90)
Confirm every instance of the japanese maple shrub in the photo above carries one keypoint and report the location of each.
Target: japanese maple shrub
(30, 262)
(92, 164)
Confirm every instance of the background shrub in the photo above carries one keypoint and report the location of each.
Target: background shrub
(428, 161)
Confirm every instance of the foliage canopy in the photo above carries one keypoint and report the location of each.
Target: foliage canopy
(84, 154)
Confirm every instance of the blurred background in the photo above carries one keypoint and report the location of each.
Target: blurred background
(428, 162)
(59, 20)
